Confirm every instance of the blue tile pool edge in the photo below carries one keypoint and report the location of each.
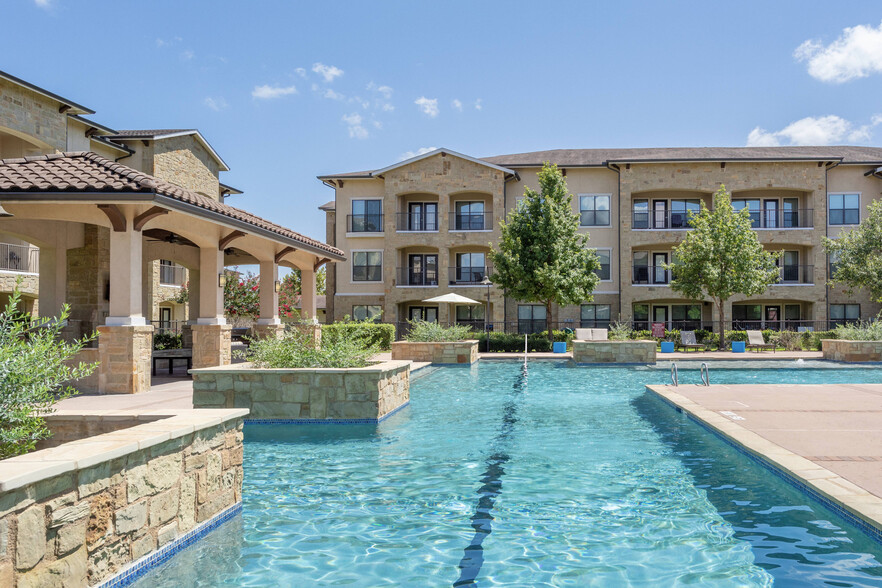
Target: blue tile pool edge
(871, 530)
(250, 422)
(140, 567)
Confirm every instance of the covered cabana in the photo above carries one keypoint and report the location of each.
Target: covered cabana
(99, 224)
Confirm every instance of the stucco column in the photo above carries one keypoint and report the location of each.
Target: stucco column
(269, 299)
(125, 279)
(211, 295)
(307, 294)
(53, 280)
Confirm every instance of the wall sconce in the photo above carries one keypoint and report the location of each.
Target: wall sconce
(278, 286)
(221, 280)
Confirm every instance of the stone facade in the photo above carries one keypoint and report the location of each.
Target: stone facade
(124, 355)
(211, 345)
(310, 393)
(851, 351)
(78, 513)
(266, 331)
(437, 352)
(185, 162)
(614, 351)
(88, 281)
(33, 115)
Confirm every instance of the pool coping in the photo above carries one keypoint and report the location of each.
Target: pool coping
(853, 503)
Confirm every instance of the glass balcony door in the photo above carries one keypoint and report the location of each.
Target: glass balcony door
(422, 269)
(422, 216)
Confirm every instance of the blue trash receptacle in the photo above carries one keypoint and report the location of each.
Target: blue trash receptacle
(559, 347)
(667, 346)
(738, 346)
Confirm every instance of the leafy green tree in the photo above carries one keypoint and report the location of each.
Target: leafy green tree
(35, 371)
(542, 257)
(858, 255)
(721, 256)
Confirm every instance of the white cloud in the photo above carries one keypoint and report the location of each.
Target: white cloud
(187, 55)
(267, 92)
(857, 53)
(353, 122)
(216, 104)
(377, 124)
(821, 130)
(167, 42)
(478, 104)
(388, 108)
(456, 104)
(429, 106)
(411, 154)
(332, 95)
(329, 72)
(43, 3)
(300, 72)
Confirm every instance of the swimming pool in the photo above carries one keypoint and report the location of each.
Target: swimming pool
(574, 476)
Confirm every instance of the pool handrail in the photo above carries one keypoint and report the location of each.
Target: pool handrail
(675, 376)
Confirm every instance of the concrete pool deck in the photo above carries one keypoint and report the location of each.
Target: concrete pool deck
(829, 436)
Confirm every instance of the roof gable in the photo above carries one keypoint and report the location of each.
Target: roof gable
(159, 134)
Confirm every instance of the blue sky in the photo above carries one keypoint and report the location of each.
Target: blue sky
(286, 91)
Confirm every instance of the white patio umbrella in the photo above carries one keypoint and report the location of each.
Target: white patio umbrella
(452, 299)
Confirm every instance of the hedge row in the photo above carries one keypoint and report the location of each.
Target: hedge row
(514, 342)
(378, 334)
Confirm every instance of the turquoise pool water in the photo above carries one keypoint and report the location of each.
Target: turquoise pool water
(574, 477)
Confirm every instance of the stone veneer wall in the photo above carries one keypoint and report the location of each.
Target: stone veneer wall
(308, 393)
(614, 351)
(31, 114)
(76, 514)
(440, 352)
(212, 345)
(855, 351)
(185, 162)
(124, 354)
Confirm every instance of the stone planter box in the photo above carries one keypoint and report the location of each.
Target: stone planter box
(439, 352)
(854, 351)
(365, 394)
(112, 488)
(614, 351)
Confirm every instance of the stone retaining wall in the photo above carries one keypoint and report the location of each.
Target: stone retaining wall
(440, 352)
(855, 351)
(308, 393)
(614, 351)
(76, 514)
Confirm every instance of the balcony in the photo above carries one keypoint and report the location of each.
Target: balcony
(796, 274)
(652, 275)
(408, 276)
(668, 220)
(659, 220)
(171, 275)
(364, 223)
(478, 221)
(415, 222)
(19, 258)
(468, 276)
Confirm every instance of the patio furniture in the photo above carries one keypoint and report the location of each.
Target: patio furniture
(667, 346)
(238, 334)
(171, 355)
(687, 341)
(755, 341)
(592, 334)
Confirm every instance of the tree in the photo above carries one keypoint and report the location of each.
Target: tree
(857, 255)
(542, 257)
(721, 256)
(241, 295)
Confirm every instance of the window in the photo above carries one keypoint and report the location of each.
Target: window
(841, 314)
(594, 316)
(469, 216)
(686, 317)
(470, 268)
(422, 269)
(833, 260)
(422, 216)
(531, 318)
(641, 316)
(367, 216)
(470, 315)
(752, 205)
(790, 213)
(367, 266)
(747, 316)
(790, 266)
(640, 215)
(594, 211)
(603, 255)
(366, 312)
(681, 211)
(641, 268)
(844, 209)
(423, 313)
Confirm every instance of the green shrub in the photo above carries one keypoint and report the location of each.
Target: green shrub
(35, 373)
(373, 334)
(514, 342)
(167, 341)
(789, 340)
(736, 336)
(296, 349)
(862, 331)
(621, 332)
(641, 335)
(430, 332)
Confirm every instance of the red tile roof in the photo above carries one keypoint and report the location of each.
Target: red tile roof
(84, 171)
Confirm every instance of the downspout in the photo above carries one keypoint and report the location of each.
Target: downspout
(616, 169)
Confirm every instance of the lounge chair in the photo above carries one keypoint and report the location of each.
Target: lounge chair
(755, 341)
(687, 341)
(591, 334)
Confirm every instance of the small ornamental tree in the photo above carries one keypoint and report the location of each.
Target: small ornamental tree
(242, 295)
(857, 255)
(542, 257)
(721, 257)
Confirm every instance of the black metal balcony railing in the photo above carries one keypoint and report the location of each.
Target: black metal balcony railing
(408, 221)
(408, 276)
(650, 274)
(762, 219)
(480, 221)
(660, 219)
(528, 326)
(364, 223)
(19, 258)
(171, 275)
(460, 276)
(796, 274)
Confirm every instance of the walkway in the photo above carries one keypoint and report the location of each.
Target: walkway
(829, 435)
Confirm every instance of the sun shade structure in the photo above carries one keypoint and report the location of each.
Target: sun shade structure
(452, 299)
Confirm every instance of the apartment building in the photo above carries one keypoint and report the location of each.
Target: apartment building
(423, 227)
